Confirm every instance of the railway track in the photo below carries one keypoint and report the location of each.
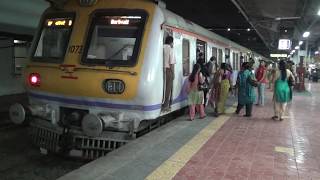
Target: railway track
(19, 159)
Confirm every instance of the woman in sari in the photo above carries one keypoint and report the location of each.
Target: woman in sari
(215, 89)
(224, 87)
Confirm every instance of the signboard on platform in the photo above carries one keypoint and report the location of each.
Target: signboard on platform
(284, 44)
(278, 55)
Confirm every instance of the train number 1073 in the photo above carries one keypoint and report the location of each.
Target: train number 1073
(75, 49)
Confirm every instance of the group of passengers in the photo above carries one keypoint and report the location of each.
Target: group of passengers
(220, 84)
(211, 83)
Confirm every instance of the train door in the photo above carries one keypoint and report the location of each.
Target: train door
(201, 50)
(167, 33)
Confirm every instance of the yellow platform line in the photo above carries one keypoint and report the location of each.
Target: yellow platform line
(177, 161)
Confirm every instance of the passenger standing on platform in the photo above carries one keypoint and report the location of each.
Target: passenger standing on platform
(169, 62)
(261, 76)
(269, 75)
(281, 93)
(211, 67)
(215, 89)
(272, 75)
(195, 96)
(246, 92)
(224, 87)
(204, 71)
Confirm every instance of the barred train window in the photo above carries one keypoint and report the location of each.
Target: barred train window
(220, 55)
(186, 57)
(214, 52)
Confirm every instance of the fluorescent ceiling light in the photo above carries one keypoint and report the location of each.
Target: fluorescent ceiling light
(317, 52)
(300, 42)
(297, 47)
(319, 12)
(229, 29)
(306, 34)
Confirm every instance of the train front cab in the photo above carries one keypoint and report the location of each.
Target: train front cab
(85, 74)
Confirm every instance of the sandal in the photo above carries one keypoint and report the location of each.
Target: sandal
(203, 117)
(274, 117)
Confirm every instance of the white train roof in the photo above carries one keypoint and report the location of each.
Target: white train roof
(176, 21)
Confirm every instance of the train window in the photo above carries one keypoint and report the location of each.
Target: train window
(115, 38)
(237, 62)
(227, 56)
(215, 52)
(186, 57)
(234, 61)
(220, 55)
(54, 37)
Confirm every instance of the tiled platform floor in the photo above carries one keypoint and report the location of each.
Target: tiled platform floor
(262, 149)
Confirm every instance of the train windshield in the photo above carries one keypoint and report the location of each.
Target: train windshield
(115, 39)
(53, 39)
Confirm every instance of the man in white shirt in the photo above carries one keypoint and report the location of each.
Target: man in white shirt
(169, 62)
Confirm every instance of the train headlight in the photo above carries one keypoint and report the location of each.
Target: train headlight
(114, 86)
(34, 79)
(92, 125)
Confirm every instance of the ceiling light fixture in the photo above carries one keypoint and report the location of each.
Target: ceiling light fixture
(317, 52)
(297, 47)
(285, 30)
(300, 42)
(319, 12)
(306, 34)
(248, 29)
(229, 29)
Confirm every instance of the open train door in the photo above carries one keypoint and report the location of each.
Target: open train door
(167, 32)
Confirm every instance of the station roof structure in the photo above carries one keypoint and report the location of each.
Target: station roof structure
(256, 24)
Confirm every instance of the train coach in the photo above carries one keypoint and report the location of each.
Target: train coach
(95, 77)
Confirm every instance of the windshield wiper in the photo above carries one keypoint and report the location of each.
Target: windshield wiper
(116, 53)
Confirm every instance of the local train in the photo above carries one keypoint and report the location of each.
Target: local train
(95, 77)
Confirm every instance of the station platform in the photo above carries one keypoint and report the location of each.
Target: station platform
(227, 147)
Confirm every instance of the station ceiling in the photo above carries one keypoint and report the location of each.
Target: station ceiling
(19, 18)
(267, 20)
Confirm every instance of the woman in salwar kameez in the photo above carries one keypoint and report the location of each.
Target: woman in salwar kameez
(195, 96)
(246, 93)
(281, 93)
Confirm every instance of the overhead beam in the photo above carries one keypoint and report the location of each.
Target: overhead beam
(235, 2)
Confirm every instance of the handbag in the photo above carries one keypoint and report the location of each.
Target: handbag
(253, 82)
(291, 81)
(203, 86)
